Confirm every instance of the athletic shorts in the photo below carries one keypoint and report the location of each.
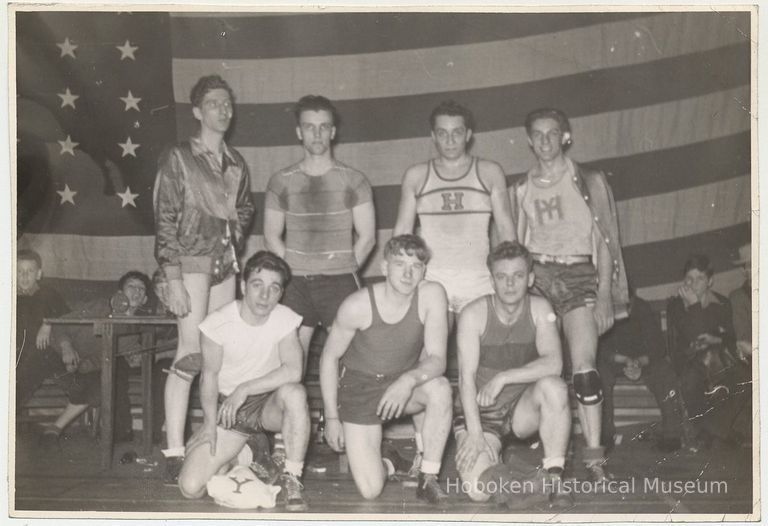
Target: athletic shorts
(567, 287)
(82, 388)
(359, 395)
(317, 297)
(248, 417)
(461, 286)
(496, 419)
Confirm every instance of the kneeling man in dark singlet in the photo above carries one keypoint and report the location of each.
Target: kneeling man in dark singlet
(509, 365)
(391, 341)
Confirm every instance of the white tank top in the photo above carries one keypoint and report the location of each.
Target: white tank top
(454, 216)
(560, 221)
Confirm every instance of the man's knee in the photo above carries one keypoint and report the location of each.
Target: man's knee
(438, 391)
(292, 396)
(553, 391)
(370, 488)
(191, 487)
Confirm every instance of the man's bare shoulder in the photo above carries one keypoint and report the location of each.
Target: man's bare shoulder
(433, 293)
(414, 176)
(355, 309)
(541, 310)
(474, 314)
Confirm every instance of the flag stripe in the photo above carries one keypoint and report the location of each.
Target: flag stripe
(599, 136)
(108, 257)
(459, 67)
(222, 37)
(401, 117)
(659, 172)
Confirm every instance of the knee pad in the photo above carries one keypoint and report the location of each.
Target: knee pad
(588, 387)
(187, 367)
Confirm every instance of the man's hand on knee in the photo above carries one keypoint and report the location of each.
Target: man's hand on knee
(205, 434)
(394, 399)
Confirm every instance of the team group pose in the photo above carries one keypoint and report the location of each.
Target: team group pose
(556, 270)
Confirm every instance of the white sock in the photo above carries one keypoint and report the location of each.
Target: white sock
(294, 468)
(173, 452)
(553, 462)
(390, 467)
(430, 468)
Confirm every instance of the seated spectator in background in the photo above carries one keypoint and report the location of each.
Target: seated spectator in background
(635, 347)
(741, 304)
(81, 355)
(35, 359)
(250, 383)
(702, 343)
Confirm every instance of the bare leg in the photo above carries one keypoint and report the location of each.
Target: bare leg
(363, 446)
(287, 411)
(70, 413)
(434, 398)
(544, 408)
(305, 338)
(581, 332)
(200, 465)
(176, 387)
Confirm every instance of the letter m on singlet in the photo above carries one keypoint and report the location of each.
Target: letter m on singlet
(550, 208)
(452, 201)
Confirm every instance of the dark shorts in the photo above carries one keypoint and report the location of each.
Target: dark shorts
(82, 388)
(567, 287)
(248, 417)
(496, 419)
(317, 298)
(359, 395)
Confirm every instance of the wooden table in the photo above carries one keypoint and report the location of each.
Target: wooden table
(105, 327)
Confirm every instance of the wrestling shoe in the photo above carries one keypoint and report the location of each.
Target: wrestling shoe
(429, 490)
(292, 493)
(560, 497)
(596, 473)
(262, 464)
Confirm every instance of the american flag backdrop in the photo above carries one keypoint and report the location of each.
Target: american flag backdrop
(659, 100)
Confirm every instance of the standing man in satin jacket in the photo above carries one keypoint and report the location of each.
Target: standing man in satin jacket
(566, 217)
(203, 210)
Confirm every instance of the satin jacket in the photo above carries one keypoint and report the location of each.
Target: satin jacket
(202, 210)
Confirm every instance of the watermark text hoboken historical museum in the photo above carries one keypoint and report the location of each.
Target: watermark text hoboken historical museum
(629, 486)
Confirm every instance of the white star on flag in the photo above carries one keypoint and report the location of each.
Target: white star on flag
(127, 50)
(67, 48)
(127, 197)
(131, 101)
(67, 195)
(68, 98)
(68, 146)
(129, 148)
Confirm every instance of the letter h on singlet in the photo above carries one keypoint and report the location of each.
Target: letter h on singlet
(452, 201)
(549, 207)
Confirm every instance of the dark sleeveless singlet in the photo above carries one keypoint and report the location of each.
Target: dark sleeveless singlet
(504, 347)
(387, 348)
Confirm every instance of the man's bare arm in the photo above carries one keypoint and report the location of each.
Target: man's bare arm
(493, 178)
(274, 224)
(406, 213)
(364, 223)
(290, 370)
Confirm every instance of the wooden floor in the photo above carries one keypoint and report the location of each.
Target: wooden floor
(67, 480)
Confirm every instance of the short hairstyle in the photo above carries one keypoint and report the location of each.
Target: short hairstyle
(27, 254)
(315, 103)
(452, 108)
(509, 250)
(409, 244)
(548, 113)
(699, 262)
(206, 84)
(135, 274)
(266, 260)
